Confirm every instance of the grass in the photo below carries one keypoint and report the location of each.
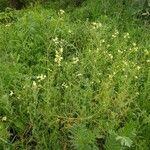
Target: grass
(74, 79)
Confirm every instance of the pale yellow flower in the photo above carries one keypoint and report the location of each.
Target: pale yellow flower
(65, 85)
(34, 85)
(4, 118)
(8, 25)
(111, 56)
(116, 33)
(134, 44)
(55, 40)
(80, 74)
(126, 36)
(75, 60)
(61, 11)
(96, 25)
(119, 51)
(148, 61)
(41, 77)
(146, 51)
(138, 67)
(11, 93)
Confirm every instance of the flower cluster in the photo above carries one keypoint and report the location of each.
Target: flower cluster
(58, 56)
(126, 35)
(41, 77)
(116, 33)
(61, 12)
(135, 48)
(120, 51)
(110, 56)
(55, 40)
(96, 25)
(59, 42)
(75, 60)
(65, 85)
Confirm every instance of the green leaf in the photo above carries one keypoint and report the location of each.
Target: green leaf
(111, 142)
(125, 141)
(83, 138)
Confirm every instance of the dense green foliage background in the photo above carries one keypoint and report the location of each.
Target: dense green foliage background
(75, 76)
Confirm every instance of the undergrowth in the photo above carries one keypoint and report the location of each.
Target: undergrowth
(74, 79)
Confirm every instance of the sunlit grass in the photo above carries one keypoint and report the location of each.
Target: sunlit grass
(73, 83)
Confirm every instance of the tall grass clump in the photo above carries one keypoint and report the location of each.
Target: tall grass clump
(71, 80)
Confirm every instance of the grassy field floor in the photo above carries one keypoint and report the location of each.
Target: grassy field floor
(77, 78)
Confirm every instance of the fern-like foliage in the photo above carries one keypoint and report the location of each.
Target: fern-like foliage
(111, 142)
(121, 139)
(83, 138)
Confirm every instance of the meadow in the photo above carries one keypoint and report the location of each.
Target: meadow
(75, 77)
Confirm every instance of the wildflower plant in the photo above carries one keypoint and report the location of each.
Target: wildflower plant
(58, 56)
(74, 78)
